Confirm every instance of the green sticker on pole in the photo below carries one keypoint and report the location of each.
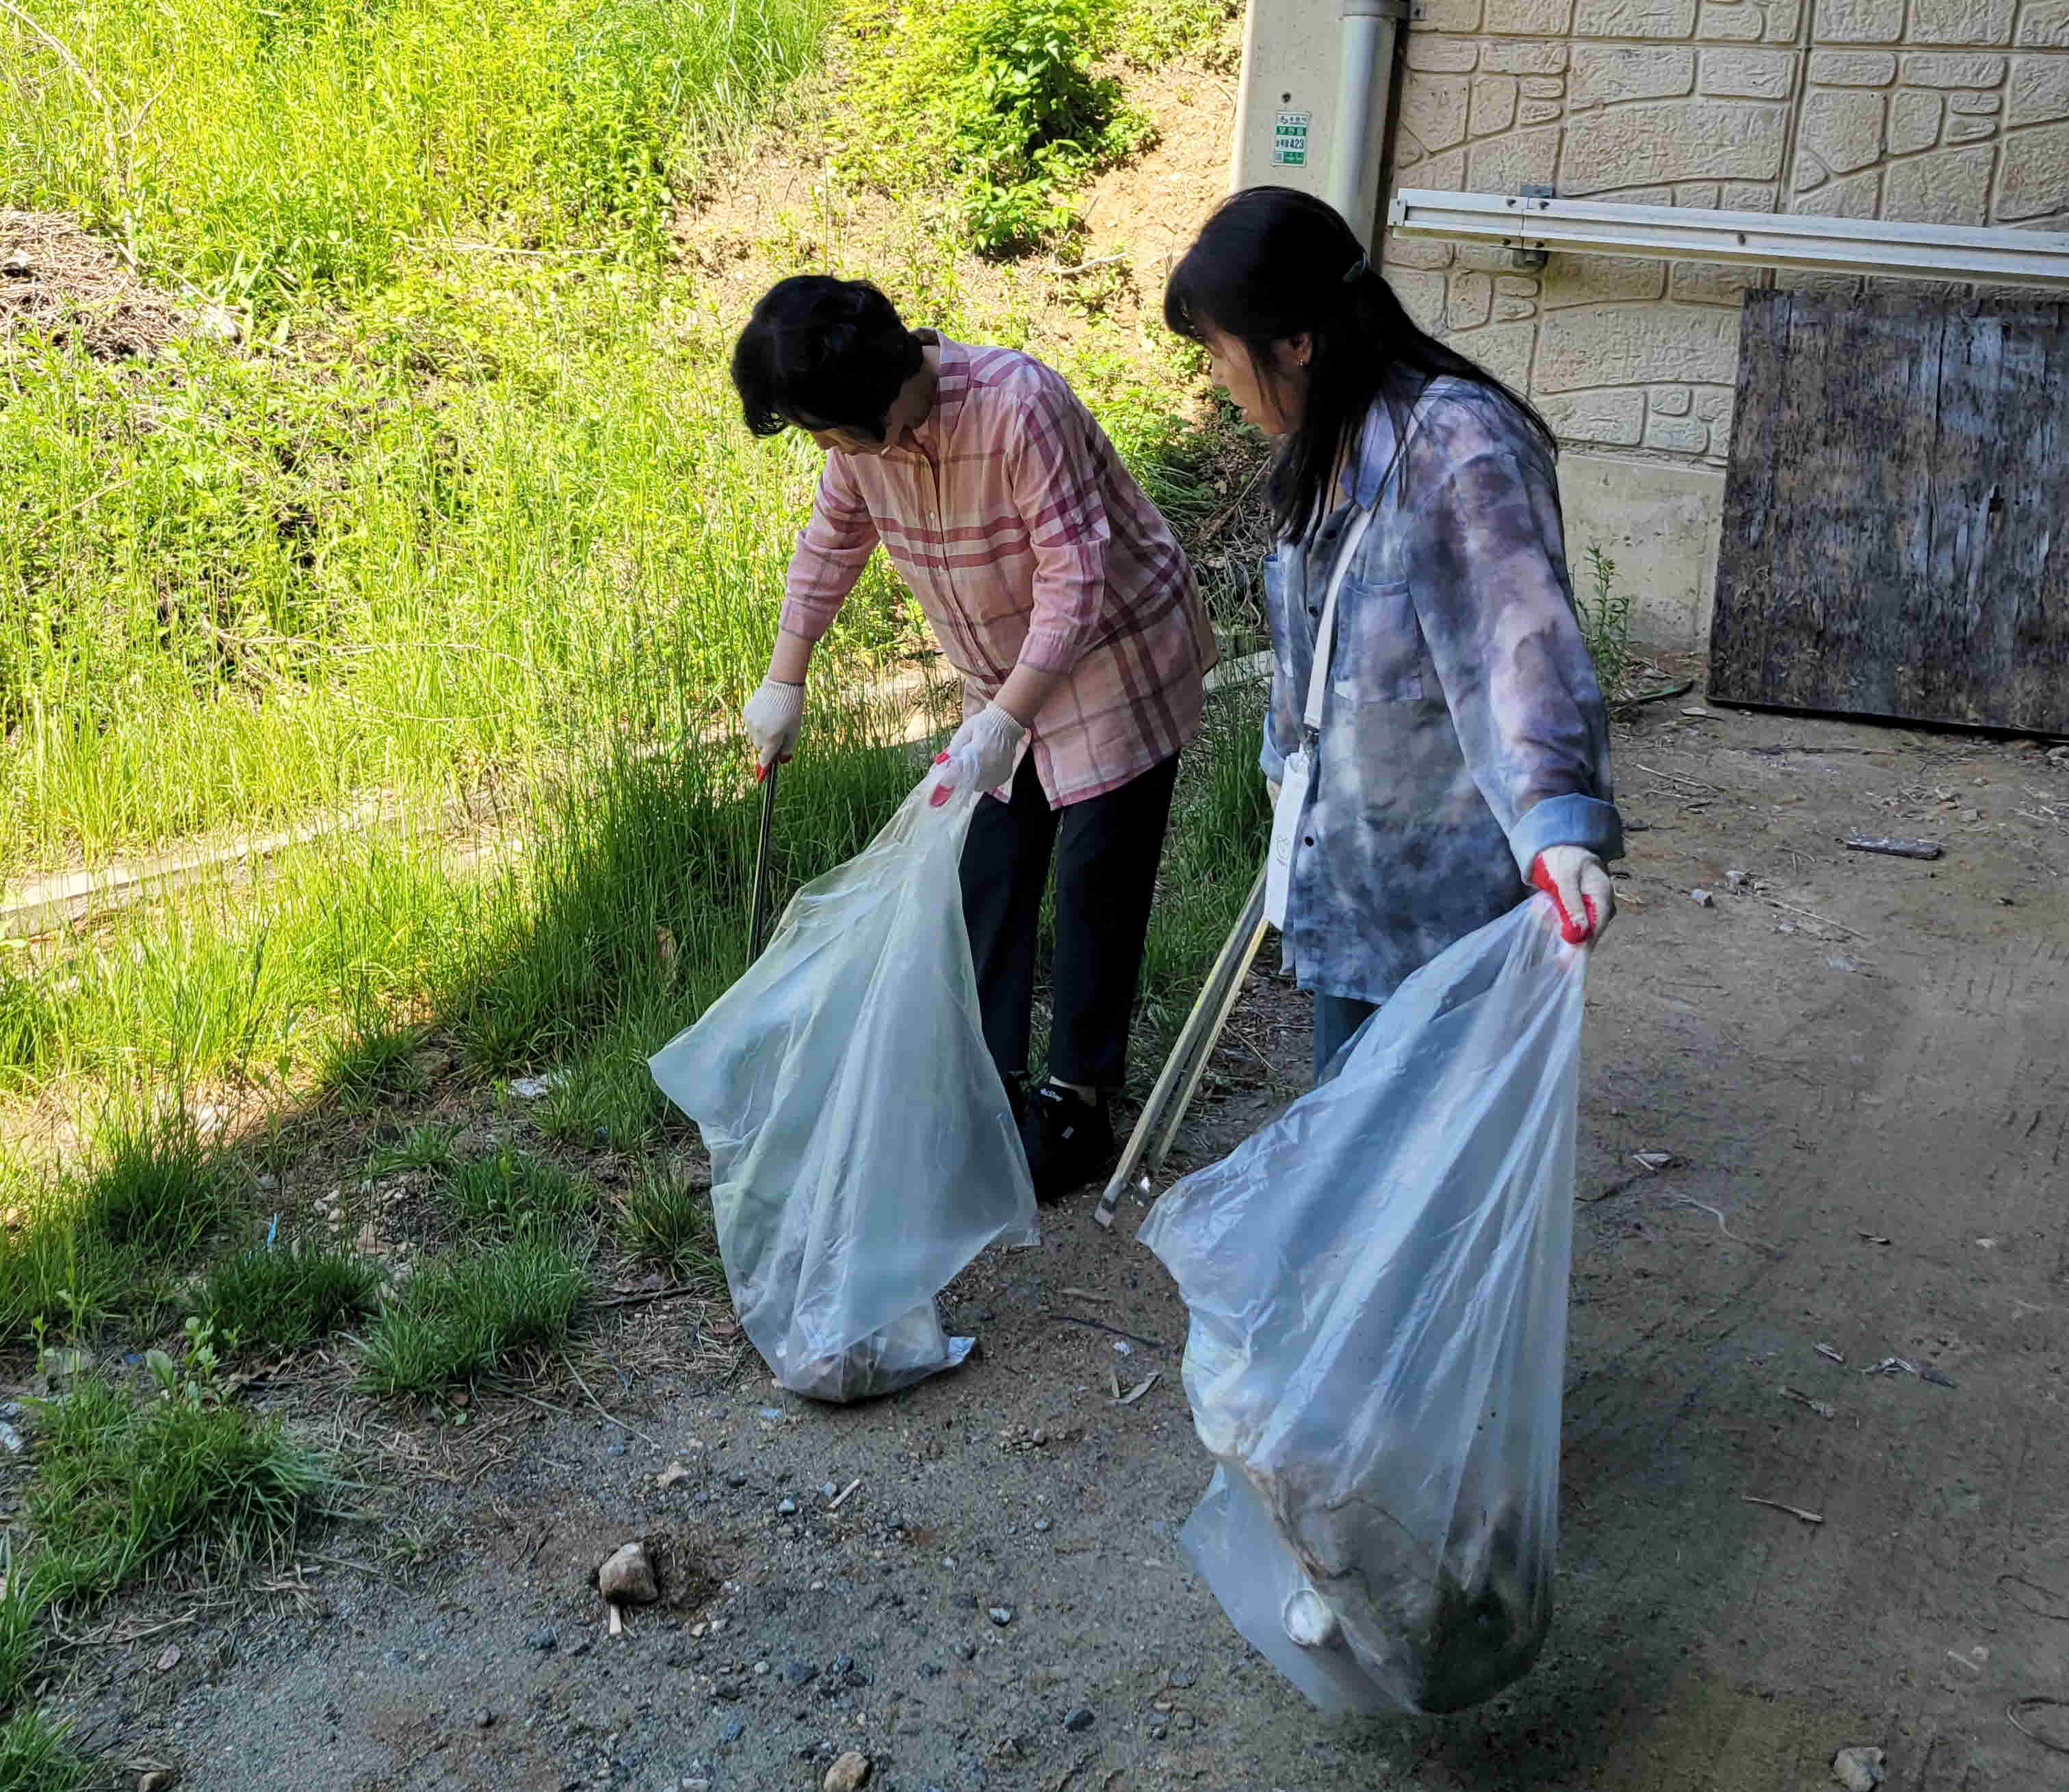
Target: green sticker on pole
(1289, 141)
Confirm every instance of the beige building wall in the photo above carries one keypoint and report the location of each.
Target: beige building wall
(1947, 111)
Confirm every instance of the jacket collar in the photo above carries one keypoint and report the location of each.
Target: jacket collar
(1377, 442)
(952, 388)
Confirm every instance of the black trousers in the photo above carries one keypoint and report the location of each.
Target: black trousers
(1106, 850)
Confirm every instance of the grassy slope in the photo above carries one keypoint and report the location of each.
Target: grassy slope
(490, 527)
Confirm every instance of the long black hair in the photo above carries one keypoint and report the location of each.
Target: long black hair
(1272, 263)
(823, 352)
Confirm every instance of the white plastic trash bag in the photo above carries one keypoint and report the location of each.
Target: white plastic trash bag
(1377, 1283)
(863, 1151)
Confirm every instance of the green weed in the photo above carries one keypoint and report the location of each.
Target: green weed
(605, 1096)
(1153, 32)
(281, 1299)
(124, 1491)
(1605, 622)
(20, 1642)
(1219, 827)
(511, 1193)
(427, 1145)
(155, 1192)
(81, 1251)
(374, 1063)
(36, 1756)
(24, 1018)
(1000, 93)
(666, 1223)
(459, 1318)
(51, 1276)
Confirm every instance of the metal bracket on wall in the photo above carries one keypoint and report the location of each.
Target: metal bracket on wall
(1531, 257)
(1997, 255)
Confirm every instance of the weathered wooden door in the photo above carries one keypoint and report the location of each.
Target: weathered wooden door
(1896, 515)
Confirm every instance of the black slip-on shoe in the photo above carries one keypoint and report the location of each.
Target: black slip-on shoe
(1069, 1140)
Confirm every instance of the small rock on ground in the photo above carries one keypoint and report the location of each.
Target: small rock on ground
(1858, 1769)
(1081, 1719)
(850, 1771)
(627, 1578)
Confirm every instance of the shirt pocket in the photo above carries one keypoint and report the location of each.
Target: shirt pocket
(1380, 657)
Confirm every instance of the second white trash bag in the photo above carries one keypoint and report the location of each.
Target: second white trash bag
(1377, 1283)
(863, 1149)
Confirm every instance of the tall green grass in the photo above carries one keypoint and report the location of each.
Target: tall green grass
(264, 150)
(237, 590)
(623, 895)
(1219, 828)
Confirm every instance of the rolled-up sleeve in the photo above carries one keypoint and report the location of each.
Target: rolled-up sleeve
(833, 547)
(1495, 612)
(1055, 481)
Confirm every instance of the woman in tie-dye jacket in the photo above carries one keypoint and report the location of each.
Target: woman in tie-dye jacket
(1463, 750)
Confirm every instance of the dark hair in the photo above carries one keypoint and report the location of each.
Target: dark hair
(1272, 263)
(828, 354)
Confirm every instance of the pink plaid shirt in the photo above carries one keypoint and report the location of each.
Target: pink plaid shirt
(1024, 538)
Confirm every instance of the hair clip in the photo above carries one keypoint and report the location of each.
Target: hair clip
(1356, 269)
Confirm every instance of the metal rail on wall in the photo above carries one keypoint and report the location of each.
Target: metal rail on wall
(1531, 224)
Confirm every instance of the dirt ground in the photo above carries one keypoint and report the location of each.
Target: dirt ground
(1860, 1066)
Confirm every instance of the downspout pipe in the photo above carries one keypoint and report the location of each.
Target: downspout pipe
(1367, 32)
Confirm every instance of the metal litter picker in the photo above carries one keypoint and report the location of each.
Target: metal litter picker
(757, 921)
(1156, 1128)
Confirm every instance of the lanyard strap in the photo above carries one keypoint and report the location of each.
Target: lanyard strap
(1325, 635)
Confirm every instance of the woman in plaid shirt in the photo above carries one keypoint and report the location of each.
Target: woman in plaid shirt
(1463, 748)
(1056, 590)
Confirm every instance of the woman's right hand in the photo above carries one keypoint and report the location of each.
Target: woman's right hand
(1582, 893)
(773, 717)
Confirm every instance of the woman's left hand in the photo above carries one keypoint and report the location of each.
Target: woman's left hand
(1579, 886)
(985, 749)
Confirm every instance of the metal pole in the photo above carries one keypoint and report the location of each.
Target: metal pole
(1181, 1075)
(758, 913)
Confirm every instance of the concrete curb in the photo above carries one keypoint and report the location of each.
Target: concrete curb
(52, 902)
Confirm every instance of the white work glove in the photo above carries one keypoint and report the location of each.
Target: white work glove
(981, 755)
(1580, 889)
(773, 717)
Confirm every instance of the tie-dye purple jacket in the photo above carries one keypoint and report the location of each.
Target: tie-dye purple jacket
(1463, 731)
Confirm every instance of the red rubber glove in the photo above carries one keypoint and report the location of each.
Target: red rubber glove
(1579, 889)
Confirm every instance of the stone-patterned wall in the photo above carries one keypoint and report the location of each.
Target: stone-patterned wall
(1947, 111)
